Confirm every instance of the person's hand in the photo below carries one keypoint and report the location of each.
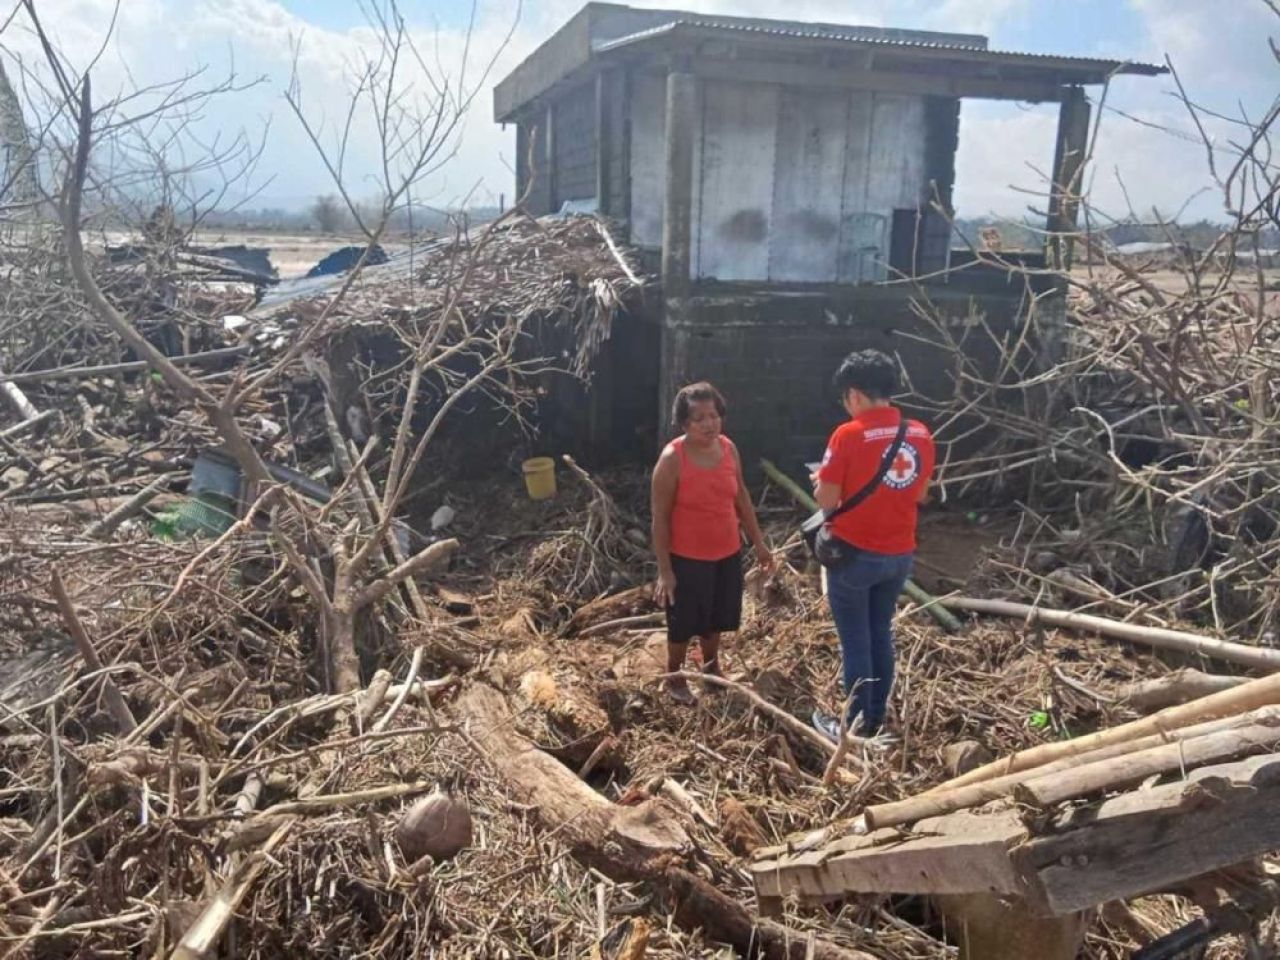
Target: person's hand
(664, 591)
(764, 558)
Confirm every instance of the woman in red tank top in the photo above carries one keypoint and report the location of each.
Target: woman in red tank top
(699, 504)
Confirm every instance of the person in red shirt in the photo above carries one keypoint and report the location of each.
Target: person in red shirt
(699, 502)
(863, 591)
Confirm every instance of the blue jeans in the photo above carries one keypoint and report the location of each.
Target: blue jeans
(863, 594)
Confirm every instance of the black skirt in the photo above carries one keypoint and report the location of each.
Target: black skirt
(708, 598)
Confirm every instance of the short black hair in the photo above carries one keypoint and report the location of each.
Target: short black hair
(688, 396)
(873, 372)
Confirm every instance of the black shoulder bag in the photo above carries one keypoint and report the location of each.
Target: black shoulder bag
(827, 548)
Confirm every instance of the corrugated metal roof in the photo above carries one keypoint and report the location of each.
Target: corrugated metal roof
(795, 30)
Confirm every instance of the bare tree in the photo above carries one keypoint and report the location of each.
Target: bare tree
(1151, 438)
(418, 122)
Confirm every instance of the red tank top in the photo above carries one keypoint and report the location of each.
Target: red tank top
(704, 521)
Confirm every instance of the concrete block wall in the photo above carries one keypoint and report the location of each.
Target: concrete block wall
(773, 355)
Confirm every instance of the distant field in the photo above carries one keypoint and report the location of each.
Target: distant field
(292, 254)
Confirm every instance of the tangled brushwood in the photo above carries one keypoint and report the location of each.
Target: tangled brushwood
(293, 665)
(1145, 454)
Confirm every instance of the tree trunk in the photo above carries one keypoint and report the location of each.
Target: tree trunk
(624, 843)
(343, 657)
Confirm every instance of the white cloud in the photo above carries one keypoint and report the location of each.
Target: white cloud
(1222, 58)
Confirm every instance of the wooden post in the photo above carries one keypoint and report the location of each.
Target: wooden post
(1068, 175)
(606, 141)
(990, 928)
(623, 138)
(549, 143)
(677, 222)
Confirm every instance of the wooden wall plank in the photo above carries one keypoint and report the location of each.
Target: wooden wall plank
(809, 178)
(648, 158)
(735, 205)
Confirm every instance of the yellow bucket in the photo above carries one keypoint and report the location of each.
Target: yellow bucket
(540, 478)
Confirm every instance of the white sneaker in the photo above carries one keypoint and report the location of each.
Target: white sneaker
(884, 740)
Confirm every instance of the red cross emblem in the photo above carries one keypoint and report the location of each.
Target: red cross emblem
(902, 472)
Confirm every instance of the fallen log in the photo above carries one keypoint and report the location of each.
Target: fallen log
(565, 720)
(634, 602)
(937, 802)
(1248, 696)
(1048, 790)
(1177, 687)
(929, 603)
(624, 843)
(1256, 658)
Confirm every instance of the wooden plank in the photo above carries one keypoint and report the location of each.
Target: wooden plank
(1153, 840)
(856, 251)
(960, 853)
(648, 158)
(740, 123)
(812, 126)
(895, 168)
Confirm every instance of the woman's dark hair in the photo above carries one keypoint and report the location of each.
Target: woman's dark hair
(870, 371)
(688, 396)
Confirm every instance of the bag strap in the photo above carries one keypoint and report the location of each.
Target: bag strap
(858, 496)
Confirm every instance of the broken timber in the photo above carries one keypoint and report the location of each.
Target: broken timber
(624, 842)
(1135, 844)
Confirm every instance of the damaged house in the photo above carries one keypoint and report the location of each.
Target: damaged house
(792, 184)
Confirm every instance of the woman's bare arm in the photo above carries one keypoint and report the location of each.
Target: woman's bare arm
(666, 475)
(747, 515)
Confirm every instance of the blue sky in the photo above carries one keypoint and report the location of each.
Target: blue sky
(1054, 26)
(346, 14)
(1219, 47)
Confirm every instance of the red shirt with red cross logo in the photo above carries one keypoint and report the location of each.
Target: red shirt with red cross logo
(884, 522)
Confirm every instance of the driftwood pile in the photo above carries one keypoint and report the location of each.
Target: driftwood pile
(507, 779)
(1142, 460)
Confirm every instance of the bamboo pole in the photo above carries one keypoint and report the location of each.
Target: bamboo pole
(1177, 687)
(929, 603)
(1257, 658)
(1249, 696)
(936, 803)
(1050, 789)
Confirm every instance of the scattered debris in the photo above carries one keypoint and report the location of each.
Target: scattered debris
(344, 258)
